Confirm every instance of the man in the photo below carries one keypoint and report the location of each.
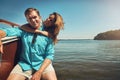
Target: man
(37, 51)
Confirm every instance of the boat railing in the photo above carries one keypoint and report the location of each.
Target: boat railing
(8, 23)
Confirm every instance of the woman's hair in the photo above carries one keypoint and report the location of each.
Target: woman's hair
(58, 24)
(29, 10)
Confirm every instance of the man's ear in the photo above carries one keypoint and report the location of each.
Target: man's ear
(27, 20)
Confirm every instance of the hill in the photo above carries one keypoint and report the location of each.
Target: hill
(109, 35)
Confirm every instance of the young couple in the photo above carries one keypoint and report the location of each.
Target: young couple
(38, 39)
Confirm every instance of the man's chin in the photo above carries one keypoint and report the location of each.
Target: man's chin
(35, 27)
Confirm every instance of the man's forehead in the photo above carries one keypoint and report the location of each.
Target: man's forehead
(33, 13)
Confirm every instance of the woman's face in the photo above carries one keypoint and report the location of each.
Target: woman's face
(50, 21)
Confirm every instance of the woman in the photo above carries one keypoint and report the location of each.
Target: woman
(52, 26)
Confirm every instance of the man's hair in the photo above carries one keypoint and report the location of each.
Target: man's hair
(29, 10)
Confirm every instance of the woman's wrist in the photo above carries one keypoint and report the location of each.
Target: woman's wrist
(37, 31)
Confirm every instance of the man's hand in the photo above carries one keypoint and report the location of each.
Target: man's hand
(36, 76)
(2, 35)
(1, 47)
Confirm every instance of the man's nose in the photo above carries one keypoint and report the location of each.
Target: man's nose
(33, 20)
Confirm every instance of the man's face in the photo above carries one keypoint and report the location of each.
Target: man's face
(33, 19)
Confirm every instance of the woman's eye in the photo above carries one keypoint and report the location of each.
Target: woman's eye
(51, 20)
(35, 17)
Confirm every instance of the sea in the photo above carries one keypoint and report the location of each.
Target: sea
(87, 59)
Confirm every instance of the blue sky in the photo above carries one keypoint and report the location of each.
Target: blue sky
(83, 19)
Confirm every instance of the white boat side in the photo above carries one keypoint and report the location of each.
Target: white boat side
(9, 39)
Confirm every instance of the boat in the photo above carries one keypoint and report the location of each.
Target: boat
(11, 48)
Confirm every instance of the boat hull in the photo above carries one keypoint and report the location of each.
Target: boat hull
(10, 56)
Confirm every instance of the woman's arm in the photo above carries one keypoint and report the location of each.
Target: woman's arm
(28, 29)
(45, 33)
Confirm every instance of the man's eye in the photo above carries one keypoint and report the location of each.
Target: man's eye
(30, 18)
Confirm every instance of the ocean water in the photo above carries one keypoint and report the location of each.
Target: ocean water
(82, 59)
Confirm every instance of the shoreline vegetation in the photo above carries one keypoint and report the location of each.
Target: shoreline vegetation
(108, 35)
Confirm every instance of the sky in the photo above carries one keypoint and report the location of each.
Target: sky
(83, 19)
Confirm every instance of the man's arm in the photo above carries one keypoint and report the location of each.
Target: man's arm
(37, 75)
(2, 34)
(48, 59)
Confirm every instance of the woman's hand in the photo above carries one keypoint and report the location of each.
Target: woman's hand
(37, 31)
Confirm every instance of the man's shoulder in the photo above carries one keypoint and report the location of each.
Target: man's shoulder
(25, 25)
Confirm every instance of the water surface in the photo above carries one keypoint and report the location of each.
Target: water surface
(87, 59)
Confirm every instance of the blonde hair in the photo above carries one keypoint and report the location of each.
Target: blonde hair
(58, 25)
